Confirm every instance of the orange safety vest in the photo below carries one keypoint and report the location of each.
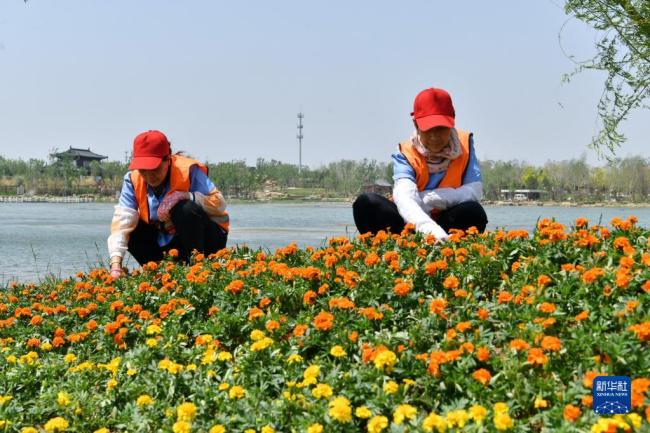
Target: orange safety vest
(453, 178)
(179, 180)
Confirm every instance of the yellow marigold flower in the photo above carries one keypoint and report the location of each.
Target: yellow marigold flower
(211, 373)
(391, 387)
(249, 430)
(501, 407)
(29, 359)
(4, 399)
(190, 367)
(186, 411)
(434, 421)
(457, 418)
(70, 357)
(377, 423)
(131, 372)
(224, 386)
(635, 419)
(502, 421)
(540, 403)
(57, 424)
(322, 390)
(224, 356)
(181, 427)
(402, 412)
(153, 329)
(151, 342)
(315, 428)
(337, 351)
(478, 413)
(102, 430)
(267, 429)
(112, 383)
(11, 359)
(294, 357)
(170, 366)
(261, 344)
(256, 335)
(362, 412)
(340, 410)
(86, 365)
(29, 430)
(112, 366)
(385, 360)
(47, 346)
(4, 423)
(144, 400)
(63, 398)
(218, 428)
(236, 392)
(408, 382)
(313, 371)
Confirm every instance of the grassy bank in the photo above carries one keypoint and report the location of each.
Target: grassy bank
(497, 332)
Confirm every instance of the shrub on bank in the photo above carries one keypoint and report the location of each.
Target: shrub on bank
(503, 331)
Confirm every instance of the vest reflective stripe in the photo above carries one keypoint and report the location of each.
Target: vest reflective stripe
(179, 180)
(453, 177)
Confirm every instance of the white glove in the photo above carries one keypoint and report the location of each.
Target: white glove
(434, 229)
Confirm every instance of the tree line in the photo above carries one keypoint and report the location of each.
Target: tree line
(622, 179)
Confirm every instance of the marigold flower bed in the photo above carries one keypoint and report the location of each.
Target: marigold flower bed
(503, 331)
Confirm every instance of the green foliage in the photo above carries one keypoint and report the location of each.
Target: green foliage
(623, 53)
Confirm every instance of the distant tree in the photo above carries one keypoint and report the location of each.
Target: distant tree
(623, 53)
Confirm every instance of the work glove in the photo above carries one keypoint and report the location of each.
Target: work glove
(434, 229)
(169, 202)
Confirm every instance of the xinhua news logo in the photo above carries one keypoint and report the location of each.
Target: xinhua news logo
(612, 395)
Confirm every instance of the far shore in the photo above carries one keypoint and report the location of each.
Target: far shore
(312, 199)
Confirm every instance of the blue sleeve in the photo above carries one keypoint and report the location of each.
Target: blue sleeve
(401, 167)
(199, 181)
(127, 195)
(473, 170)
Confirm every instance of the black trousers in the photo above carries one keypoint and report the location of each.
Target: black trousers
(373, 212)
(194, 231)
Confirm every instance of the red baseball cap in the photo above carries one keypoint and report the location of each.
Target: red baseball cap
(149, 148)
(433, 107)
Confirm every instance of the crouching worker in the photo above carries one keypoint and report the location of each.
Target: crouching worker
(167, 202)
(437, 177)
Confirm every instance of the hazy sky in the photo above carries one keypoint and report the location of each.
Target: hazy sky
(225, 80)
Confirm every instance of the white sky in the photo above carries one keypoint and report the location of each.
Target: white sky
(225, 80)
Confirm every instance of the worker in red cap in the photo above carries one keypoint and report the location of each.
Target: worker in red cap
(437, 177)
(167, 202)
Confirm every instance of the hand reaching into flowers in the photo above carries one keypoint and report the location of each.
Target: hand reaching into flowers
(116, 268)
(169, 202)
(435, 230)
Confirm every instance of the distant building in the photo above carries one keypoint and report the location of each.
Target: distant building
(380, 186)
(81, 157)
(522, 194)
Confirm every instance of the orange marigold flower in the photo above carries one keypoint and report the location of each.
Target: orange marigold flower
(536, 356)
(543, 280)
(483, 313)
(482, 354)
(519, 344)
(581, 222)
(592, 275)
(587, 400)
(173, 252)
(547, 307)
(323, 321)
(551, 343)
(642, 330)
(504, 297)
(371, 259)
(402, 289)
(482, 375)
(463, 326)
(36, 320)
(255, 313)
(272, 325)
(451, 282)
(299, 330)
(433, 267)
(309, 297)
(353, 336)
(235, 286)
(584, 315)
(33, 342)
(571, 413)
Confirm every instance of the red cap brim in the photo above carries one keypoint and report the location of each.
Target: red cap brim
(428, 122)
(145, 162)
